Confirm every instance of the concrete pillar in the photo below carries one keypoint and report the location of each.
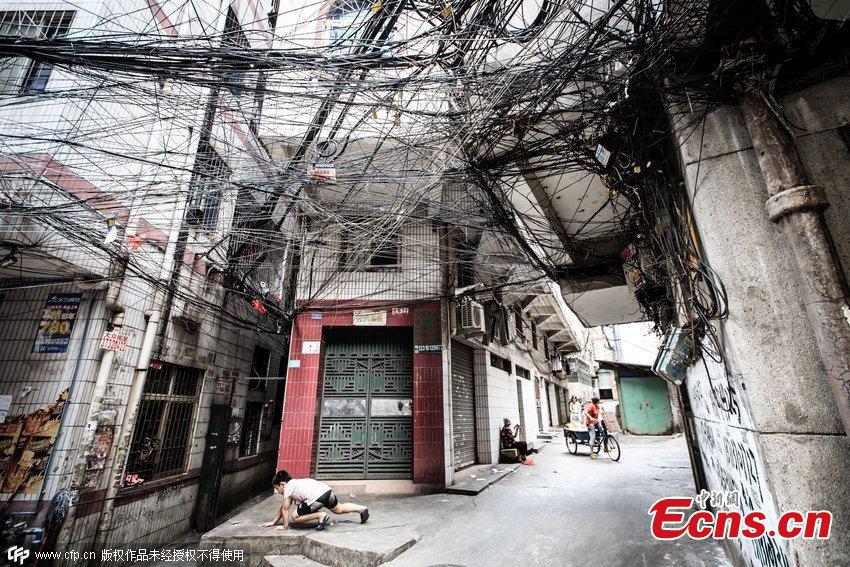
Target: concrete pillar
(765, 419)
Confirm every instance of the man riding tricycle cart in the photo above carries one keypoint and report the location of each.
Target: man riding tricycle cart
(594, 434)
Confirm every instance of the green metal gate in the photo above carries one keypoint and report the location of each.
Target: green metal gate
(366, 420)
(645, 405)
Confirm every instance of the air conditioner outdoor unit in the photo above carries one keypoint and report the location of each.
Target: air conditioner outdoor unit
(471, 318)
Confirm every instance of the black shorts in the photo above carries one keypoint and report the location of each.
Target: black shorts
(327, 500)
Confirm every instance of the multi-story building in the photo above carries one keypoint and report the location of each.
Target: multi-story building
(419, 326)
(130, 378)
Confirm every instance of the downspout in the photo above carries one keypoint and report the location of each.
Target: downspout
(797, 207)
(125, 432)
(104, 370)
(159, 311)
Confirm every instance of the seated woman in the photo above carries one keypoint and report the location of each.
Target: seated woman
(508, 441)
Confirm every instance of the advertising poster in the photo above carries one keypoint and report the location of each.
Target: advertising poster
(26, 442)
(57, 323)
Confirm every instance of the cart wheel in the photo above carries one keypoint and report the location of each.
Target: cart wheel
(572, 443)
(612, 448)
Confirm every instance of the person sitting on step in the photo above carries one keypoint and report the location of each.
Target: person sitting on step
(508, 441)
(310, 496)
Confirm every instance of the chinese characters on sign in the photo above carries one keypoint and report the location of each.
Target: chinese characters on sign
(427, 335)
(364, 318)
(322, 172)
(57, 322)
(114, 341)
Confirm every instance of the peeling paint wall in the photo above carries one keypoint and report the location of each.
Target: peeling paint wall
(766, 423)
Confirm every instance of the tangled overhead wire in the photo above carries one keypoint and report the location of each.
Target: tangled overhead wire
(226, 115)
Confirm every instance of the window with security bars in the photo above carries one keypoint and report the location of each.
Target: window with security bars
(259, 369)
(162, 436)
(234, 37)
(209, 178)
(21, 74)
(249, 443)
(346, 22)
(364, 247)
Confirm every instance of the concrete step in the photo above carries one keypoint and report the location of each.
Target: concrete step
(473, 486)
(289, 561)
(359, 548)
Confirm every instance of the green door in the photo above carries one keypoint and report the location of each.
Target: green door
(645, 406)
(366, 417)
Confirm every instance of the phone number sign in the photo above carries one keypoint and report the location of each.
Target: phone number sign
(57, 323)
(114, 341)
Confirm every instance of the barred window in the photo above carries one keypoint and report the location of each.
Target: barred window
(209, 180)
(249, 443)
(364, 247)
(259, 369)
(346, 22)
(21, 74)
(500, 363)
(162, 435)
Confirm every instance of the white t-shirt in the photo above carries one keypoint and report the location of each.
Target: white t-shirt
(304, 490)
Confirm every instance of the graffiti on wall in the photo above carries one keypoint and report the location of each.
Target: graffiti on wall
(730, 456)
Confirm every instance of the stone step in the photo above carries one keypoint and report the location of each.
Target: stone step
(289, 561)
(365, 547)
(473, 486)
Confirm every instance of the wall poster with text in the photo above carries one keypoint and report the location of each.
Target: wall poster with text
(57, 323)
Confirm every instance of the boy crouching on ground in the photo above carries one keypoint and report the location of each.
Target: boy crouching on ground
(309, 496)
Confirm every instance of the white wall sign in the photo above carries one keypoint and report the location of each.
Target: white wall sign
(311, 347)
(369, 318)
(114, 341)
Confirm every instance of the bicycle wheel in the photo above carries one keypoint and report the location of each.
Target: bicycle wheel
(572, 443)
(612, 448)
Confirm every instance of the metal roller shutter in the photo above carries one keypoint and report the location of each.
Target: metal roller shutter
(463, 406)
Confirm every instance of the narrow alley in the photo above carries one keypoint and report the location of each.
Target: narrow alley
(564, 511)
(323, 251)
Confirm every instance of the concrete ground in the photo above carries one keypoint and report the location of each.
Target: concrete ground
(567, 510)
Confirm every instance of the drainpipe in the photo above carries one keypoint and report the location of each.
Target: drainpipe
(103, 372)
(797, 207)
(125, 432)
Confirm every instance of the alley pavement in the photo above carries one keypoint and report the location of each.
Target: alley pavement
(566, 510)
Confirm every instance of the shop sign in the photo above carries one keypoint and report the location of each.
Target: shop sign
(364, 318)
(57, 323)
